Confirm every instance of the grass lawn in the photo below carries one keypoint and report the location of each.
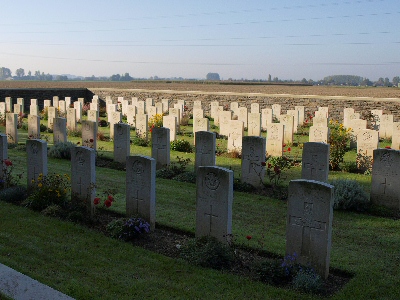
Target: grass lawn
(86, 264)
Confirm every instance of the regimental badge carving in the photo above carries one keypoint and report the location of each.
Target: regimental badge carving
(137, 167)
(212, 181)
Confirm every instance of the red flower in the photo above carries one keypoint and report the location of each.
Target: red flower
(91, 140)
(269, 166)
(96, 201)
(277, 170)
(263, 163)
(8, 162)
(284, 150)
(248, 237)
(110, 198)
(284, 145)
(107, 203)
(289, 149)
(388, 147)
(306, 121)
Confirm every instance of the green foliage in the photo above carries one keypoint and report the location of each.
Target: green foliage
(208, 252)
(173, 169)
(306, 280)
(139, 141)
(338, 140)
(43, 127)
(349, 195)
(271, 272)
(240, 186)
(127, 228)
(103, 123)
(48, 190)
(156, 121)
(275, 167)
(181, 145)
(14, 194)
(8, 178)
(75, 133)
(186, 177)
(61, 150)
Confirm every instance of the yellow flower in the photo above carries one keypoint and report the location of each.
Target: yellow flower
(33, 181)
(40, 185)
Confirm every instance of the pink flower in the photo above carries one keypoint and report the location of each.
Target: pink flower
(248, 237)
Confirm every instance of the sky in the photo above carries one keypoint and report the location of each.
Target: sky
(288, 39)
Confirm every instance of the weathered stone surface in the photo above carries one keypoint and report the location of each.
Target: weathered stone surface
(315, 161)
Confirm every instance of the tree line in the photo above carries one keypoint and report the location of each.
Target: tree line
(343, 80)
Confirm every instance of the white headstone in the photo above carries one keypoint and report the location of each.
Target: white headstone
(309, 224)
(142, 126)
(235, 135)
(89, 134)
(319, 134)
(11, 128)
(275, 139)
(160, 146)
(141, 188)
(214, 198)
(205, 149)
(60, 130)
(253, 156)
(33, 127)
(385, 188)
(170, 123)
(288, 122)
(121, 142)
(83, 176)
(36, 154)
(315, 161)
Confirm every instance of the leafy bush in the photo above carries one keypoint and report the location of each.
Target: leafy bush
(75, 133)
(61, 150)
(49, 190)
(156, 121)
(240, 186)
(338, 139)
(103, 123)
(43, 128)
(186, 177)
(173, 169)
(138, 141)
(14, 194)
(127, 228)
(306, 280)
(181, 146)
(349, 195)
(8, 178)
(278, 272)
(208, 252)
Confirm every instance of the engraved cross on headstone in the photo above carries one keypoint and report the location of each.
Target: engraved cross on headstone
(308, 223)
(210, 215)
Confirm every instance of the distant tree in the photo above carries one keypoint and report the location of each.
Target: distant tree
(29, 73)
(276, 79)
(269, 78)
(126, 77)
(115, 77)
(5, 73)
(350, 80)
(61, 78)
(304, 80)
(212, 76)
(366, 82)
(380, 82)
(20, 72)
(396, 80)
(387, 82)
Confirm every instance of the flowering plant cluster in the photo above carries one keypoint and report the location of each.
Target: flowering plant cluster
(7, 178)
(338, 140)
(49, 190)
(85, 109)
(107, 202)
(275, 166)
(155, 121)
(128, 228)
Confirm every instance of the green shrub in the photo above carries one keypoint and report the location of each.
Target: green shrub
(14, 194)
(306, 280)
(208, 252)
(61, 150)
(181, 146)
(240, 186)
(349, 195)
(186, 177)
(48, 190)
(138, 141)
(271, 272)
(173, 169)
(75, 133)
(127, 228)
(43, 128)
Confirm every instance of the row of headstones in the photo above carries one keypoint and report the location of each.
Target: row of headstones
(310, 203)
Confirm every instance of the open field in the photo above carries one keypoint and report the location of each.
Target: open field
(375, 92)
